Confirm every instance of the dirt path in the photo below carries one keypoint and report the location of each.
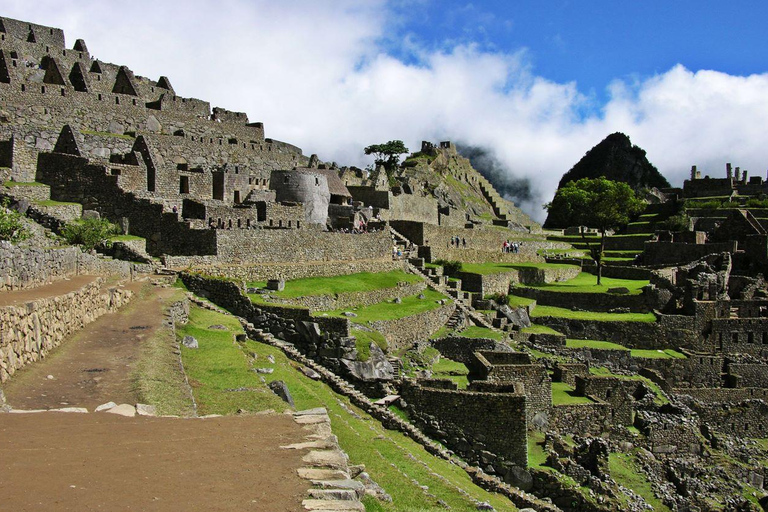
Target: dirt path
(62, 287)
(99, 461)
(95, 365)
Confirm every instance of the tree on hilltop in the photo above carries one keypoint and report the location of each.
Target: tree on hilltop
(387, 154)
(598, 203)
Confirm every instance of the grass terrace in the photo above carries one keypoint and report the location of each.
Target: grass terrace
(539, 329)
(667, 353)
(445, 368)
(544, 311)
(626, 471)
(361, 282)
(409, 306)
(605, 372)
(125, 238)
(587, 283)
(23, 184)
(475, 331)
(602, 345)
(51, 202)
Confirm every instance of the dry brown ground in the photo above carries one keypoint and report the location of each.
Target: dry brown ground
(99, 461)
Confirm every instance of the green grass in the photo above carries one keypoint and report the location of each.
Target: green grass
(125, 238)
(562, 394)
(543, 311)
(626, 471)
(475, 331)
(658, 354)
(442, 332)
(603, 345)
(498, 268)
(539, 329)
(364, 340)
(587, 283)
(445, 368)
(361, 282)
(158, 378)
(50, 202)
(219, 367)
(409, 306)
(537, 457)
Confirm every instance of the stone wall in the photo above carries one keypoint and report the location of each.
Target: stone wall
(30, 331)
(451, 416)
(285, 271)
(740, 335)
(670, 253)
(594, 418)
(500, 282)
(404, 332)
(668, 433)
(750, 375)
(723, 395)
(744, 419)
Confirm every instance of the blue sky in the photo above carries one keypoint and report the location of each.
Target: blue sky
(593, 42)
(535, 84)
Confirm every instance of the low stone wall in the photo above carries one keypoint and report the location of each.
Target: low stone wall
(351, 299)
(23, 268)
(32, 192)
(723, 395)
(287, 271)
(597, 301)
(404, 332)
(31, 330)
(500, 282)
(618, 272)
(451, 416)
(462, 350)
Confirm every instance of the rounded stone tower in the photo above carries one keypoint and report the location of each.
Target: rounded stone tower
(304, 186)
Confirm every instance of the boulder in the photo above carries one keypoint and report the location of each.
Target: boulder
(377, 367)
(190, 342)
(276, 284)
(279, 388)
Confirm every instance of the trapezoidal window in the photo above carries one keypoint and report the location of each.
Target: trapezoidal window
(237, 197)
(183, 184)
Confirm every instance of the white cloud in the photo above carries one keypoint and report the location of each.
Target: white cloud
(316, 74)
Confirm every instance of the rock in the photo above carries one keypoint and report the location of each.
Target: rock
(115, 127)
(217, 327)
(2, 398)
(103, 153)
(105, 407)
(422, 296)
(349, 314)
(91, 214)
(190, 342)
(264, 371)
(377, 367)
(153, 125)
(619, 290)
(271, 358)
(516, 316)
(309, 372)
(484, 506)
(123, 410)
(49, 377)
(279, 388)
(276, 284)
(397, 300)
(146, 410)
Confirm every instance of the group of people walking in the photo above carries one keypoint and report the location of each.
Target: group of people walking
(513, 247)
(458, 242)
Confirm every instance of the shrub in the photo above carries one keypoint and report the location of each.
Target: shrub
(11, 227)
(90, 232)
(451, 267)
(679, 222)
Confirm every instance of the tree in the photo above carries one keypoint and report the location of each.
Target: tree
(387, 154)
(598, 203)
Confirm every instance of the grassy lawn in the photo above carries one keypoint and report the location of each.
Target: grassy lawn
(364, 340)
(587, 283)
(475, 331)
(409, 306)
(658, 354)
(536, 454)
(626, 471)
(539, 329)
(361, 282)
(445, 368)
(542, 311)
(604, 345)
(562, 394)
(498, 268)
(220, 372)
(519, 302)
(23, 184)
